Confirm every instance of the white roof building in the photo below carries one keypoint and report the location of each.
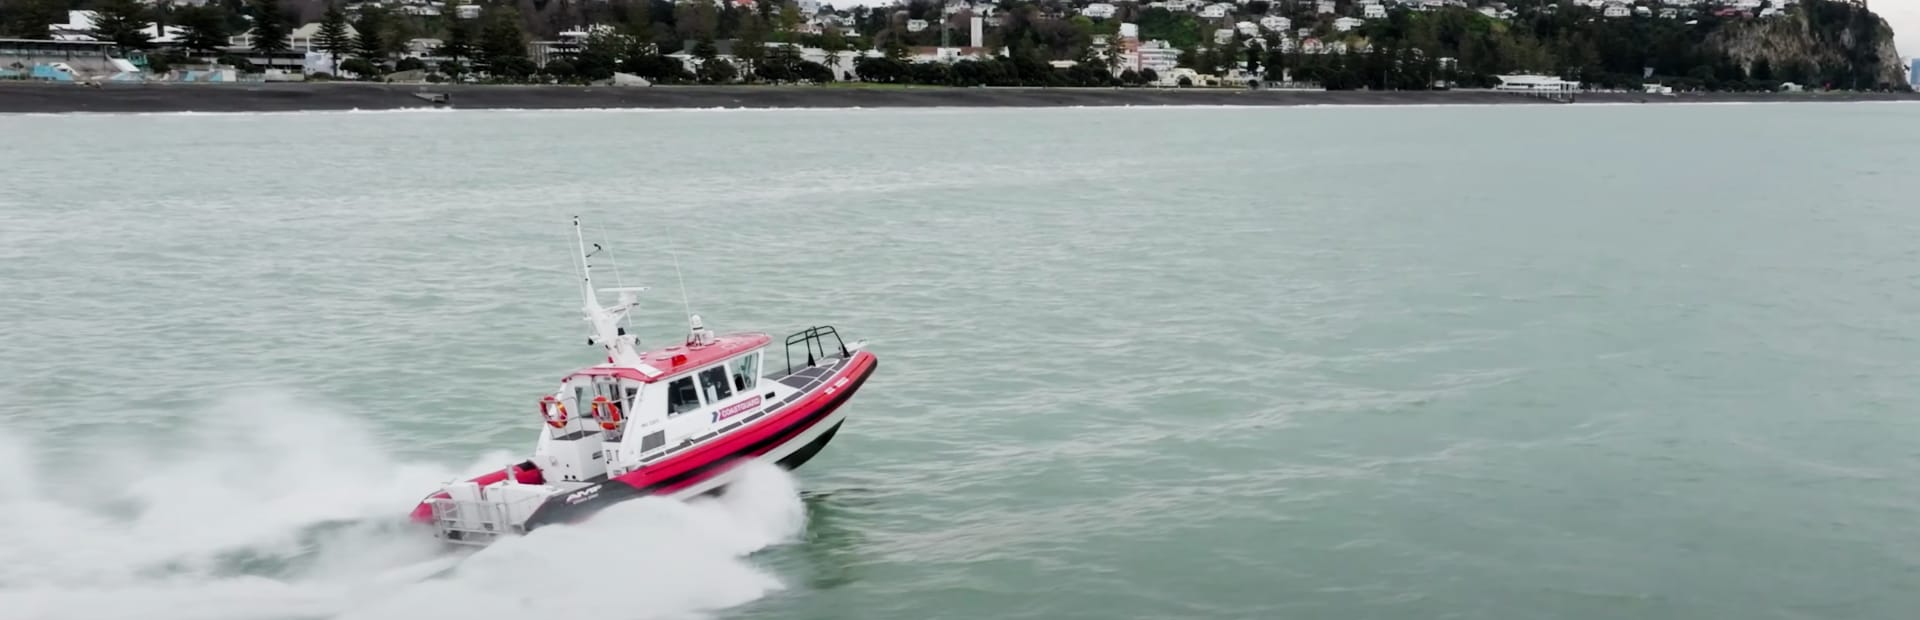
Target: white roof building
(1374, 11)
(1616, 10)
(1098, 10)
(1223, 36)
(1216, 11)
(1323, 7)
(1347, 23)
(916, 25)
(1247, 28)
(1276, 23)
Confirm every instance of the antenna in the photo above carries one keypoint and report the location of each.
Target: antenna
(683, 279)
(586, 268)
(618, 280)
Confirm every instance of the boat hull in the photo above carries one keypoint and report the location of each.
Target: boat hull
(788, 437)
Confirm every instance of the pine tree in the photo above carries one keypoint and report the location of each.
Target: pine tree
(31, 19)
(333, 35)
(501, 37)
(125, 23)
(750, 44)
(459, 41)
(205, 28)
(270, 29)
(833, 44)
(369, 35)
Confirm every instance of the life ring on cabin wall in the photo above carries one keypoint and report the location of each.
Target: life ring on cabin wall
(548, 408)
(606, 412)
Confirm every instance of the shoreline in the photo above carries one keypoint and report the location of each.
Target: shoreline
(57, 98)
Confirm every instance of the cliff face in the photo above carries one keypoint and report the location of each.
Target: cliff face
(1824, 41)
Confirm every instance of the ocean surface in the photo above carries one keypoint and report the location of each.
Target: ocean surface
(1575, 362)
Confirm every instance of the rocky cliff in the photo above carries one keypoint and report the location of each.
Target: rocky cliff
(1821, 42)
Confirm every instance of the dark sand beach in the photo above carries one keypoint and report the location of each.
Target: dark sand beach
(25, 97)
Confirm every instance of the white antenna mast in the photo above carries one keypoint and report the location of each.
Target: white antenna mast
(586, 268)
(683, 279)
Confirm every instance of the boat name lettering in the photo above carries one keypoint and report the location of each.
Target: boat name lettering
(736, 409)
(582, 494)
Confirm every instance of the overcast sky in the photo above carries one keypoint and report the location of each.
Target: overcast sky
(1904, 15)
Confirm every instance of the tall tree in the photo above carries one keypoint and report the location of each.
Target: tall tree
(501, 37)
(204, 28)
(459, 41)
(31, 19)
(270, 29)
(750, 45)
(789, 23)
(833, 43)
(370, 35)
(333, 35)
(124, 22)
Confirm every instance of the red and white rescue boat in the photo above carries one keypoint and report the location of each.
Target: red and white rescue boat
(671, 422)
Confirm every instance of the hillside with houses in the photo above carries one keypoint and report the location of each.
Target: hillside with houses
(1331, 44)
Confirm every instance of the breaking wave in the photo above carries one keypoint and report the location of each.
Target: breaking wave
(295, 513)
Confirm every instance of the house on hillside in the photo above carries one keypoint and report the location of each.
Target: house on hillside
(1276, 23)
(1098, 10)
(1347, 23)
(916, 25)
(1324, 7)
(1616, 10)
(1374, 11)
(1216, 11)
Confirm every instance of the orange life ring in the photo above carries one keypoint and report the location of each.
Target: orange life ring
(548, 406)
(606, 412)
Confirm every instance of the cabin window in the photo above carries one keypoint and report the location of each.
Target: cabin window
(714, 382)
(681, 397)
(746, 371)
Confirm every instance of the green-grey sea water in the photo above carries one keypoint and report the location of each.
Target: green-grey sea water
(1583, 362)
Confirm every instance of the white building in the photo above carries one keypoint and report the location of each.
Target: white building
(1488, 11)
(1616, 10)
(1323, 7)
(467, 11)
(1276, 23)
(1669, 13)
(1347, 23)
(1223, 36)
(1641, 11)
(1216, 11)
(1535, 83)
(1098, 10)
(1374, 11)
(1157, 55)
(916, 25)
(1312, 46)
(1248, 28)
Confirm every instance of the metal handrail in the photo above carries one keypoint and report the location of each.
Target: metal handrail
(814, 337)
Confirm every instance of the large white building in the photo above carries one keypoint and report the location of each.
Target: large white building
(1374, 11)
(1276, 23)
(1098, 10)
(1157, 55)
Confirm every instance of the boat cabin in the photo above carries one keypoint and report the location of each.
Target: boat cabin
(616, 414)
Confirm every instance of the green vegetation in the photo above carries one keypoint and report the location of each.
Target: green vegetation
(1831, 43)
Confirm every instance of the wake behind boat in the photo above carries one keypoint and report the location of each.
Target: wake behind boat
(673, 422)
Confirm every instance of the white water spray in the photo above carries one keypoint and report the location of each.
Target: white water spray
(289, 512)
